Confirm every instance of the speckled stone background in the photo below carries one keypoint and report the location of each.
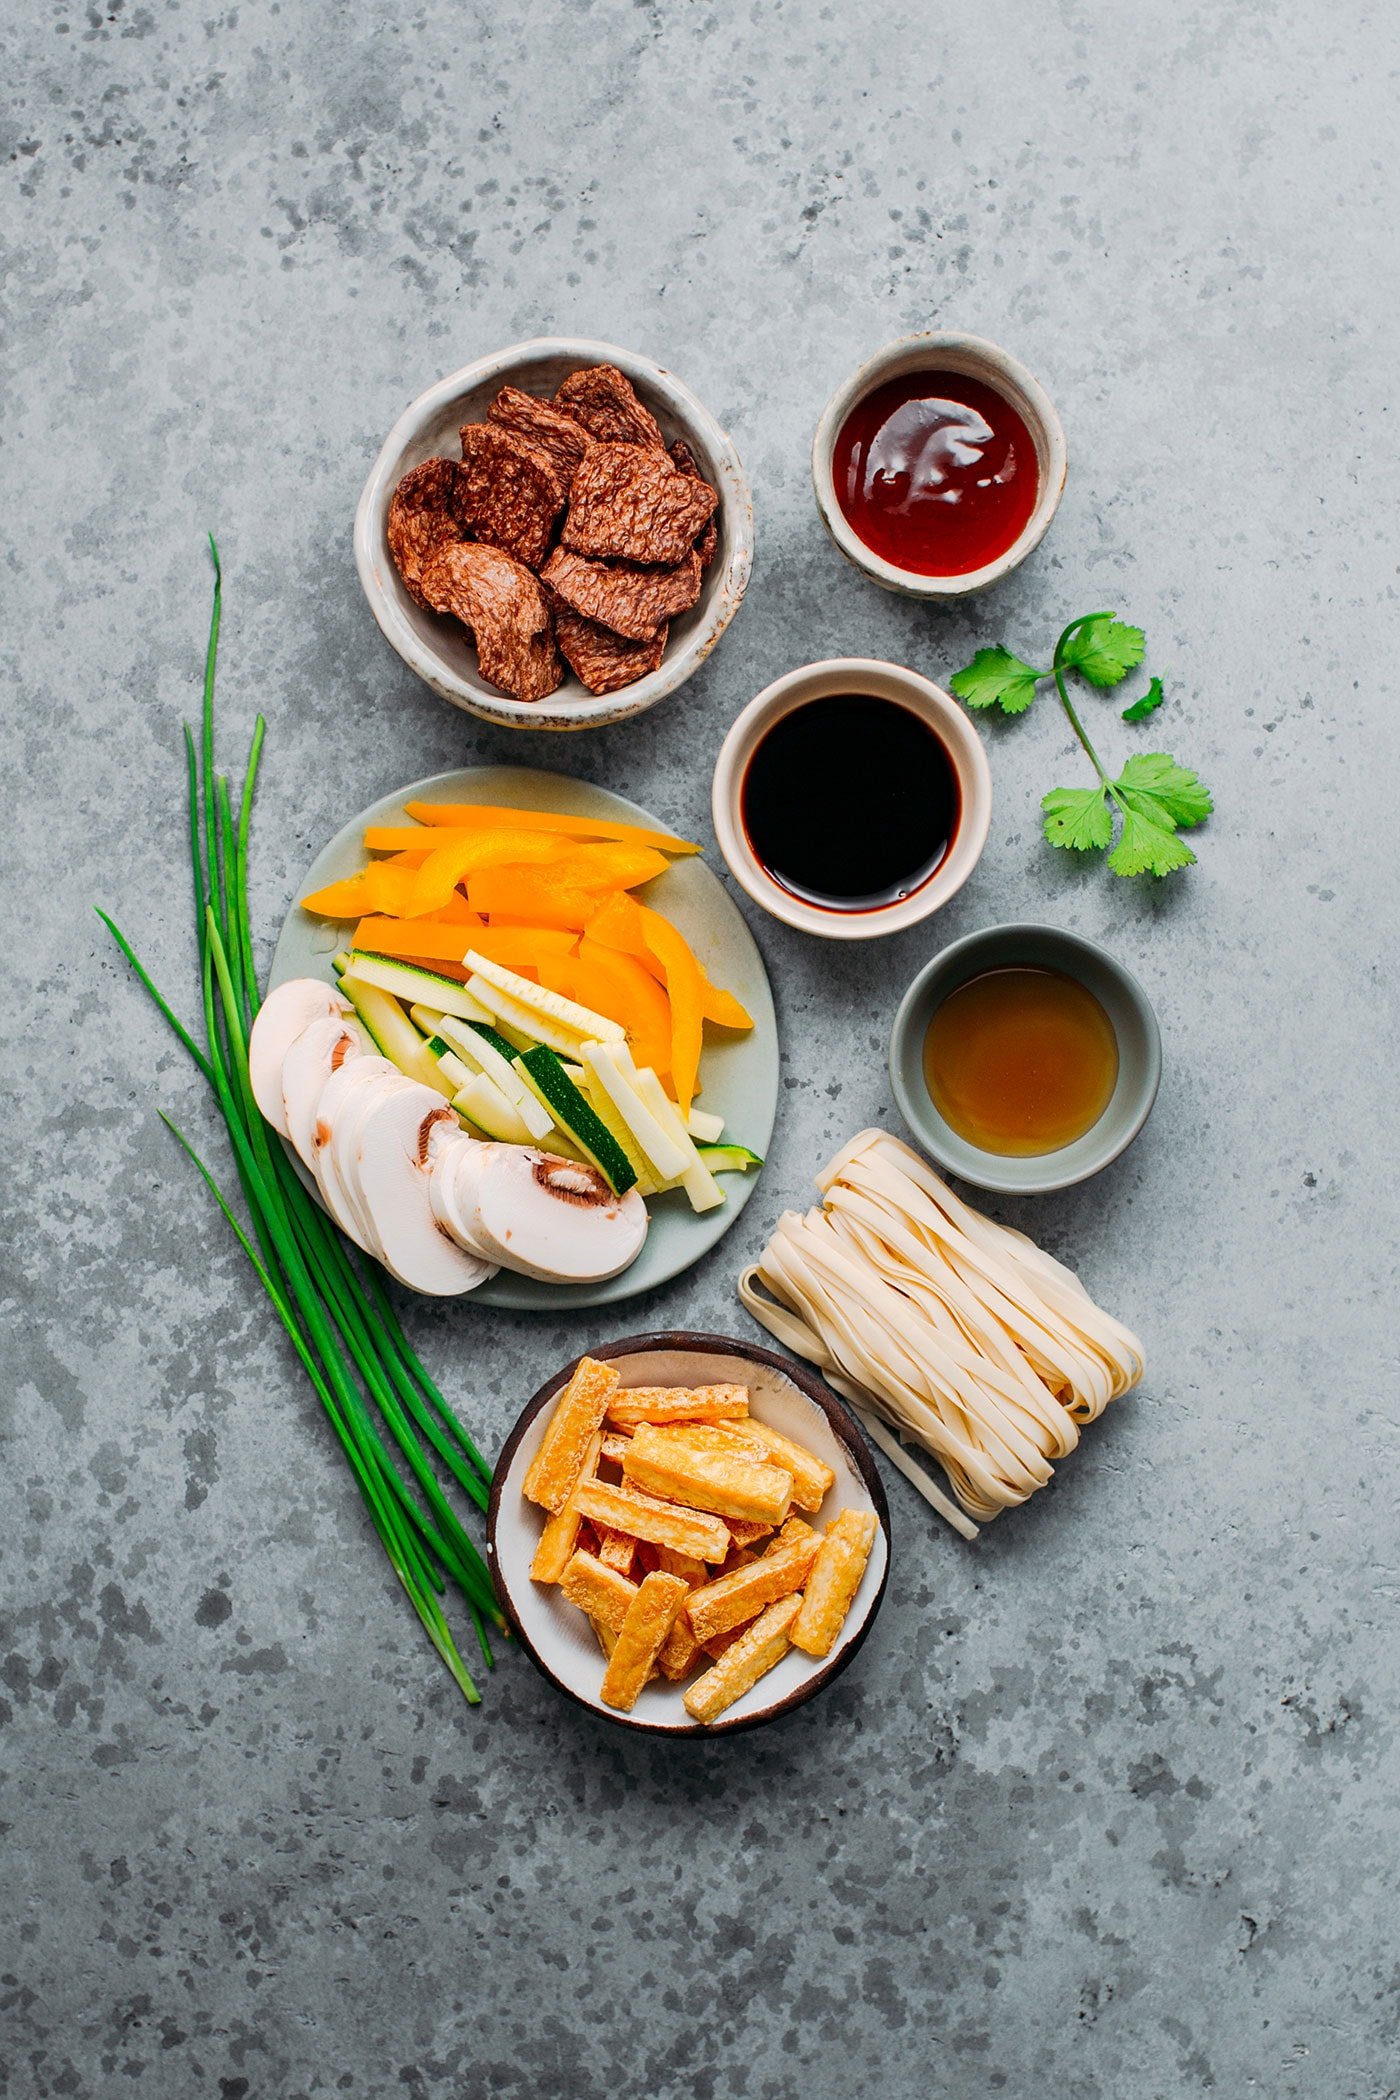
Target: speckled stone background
(1107, 1807)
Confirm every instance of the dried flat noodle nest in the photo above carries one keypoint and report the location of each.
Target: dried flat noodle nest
(960, 1333)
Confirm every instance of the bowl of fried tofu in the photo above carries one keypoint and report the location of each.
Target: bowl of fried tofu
(555, 536)
(688, 1533)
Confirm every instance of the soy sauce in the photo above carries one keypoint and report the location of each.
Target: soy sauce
(850, 802)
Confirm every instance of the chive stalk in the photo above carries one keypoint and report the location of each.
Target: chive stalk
(339, 1321)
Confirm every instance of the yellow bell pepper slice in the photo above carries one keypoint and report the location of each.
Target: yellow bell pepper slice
(530, 895)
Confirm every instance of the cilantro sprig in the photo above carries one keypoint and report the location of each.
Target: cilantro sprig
(1151, 801)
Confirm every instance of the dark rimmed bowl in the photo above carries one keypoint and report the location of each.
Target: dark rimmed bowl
(559, 1640)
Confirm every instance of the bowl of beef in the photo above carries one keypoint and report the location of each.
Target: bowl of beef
(555, 537)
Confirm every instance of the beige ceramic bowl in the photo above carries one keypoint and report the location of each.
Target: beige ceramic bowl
(975, 358)
(440, 650)
(853, 674)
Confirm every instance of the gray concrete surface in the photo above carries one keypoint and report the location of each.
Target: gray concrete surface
(1106, 1810)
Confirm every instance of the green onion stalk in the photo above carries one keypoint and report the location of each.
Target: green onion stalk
(387, 1414)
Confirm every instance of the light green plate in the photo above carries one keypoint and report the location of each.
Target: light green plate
(738, 1072)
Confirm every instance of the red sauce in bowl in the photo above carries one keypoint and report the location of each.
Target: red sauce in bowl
(936, 473)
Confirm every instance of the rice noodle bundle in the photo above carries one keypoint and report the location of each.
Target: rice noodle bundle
(963, 1334)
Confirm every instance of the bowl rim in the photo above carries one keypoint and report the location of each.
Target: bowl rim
(995, 1176)
(782, 697)
(1009, 376)
(583, 710)
(847, 1432)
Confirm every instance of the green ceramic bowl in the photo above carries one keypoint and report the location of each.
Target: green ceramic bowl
(1127, 1007)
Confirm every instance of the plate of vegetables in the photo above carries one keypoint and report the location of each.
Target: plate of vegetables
(585, 1004)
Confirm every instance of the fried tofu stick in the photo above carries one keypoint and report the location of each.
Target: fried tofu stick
(641, 1638)
(617, 1549)
(730, 1485)
(755, 1652)
(615, 1447)
(605, 1595)
(731, 1599)
(835, 1578)
(681, 1651)
(677, 1403)
(560, 1534)
(578, 1414)
(664, 1523)
(812, 1478)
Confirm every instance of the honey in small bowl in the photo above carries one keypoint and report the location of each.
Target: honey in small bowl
(1020, 1061)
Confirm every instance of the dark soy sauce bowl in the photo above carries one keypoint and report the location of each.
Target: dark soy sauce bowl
(961, 746)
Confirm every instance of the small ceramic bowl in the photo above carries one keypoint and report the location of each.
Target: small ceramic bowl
(440, 650)
(853, 674)
(975, 358)
(559, 1640)
(1037, 947)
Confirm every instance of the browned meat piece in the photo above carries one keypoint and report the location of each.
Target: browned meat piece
(631, 601)
(508, 492)
(422, 518)
(605, 401)
(562, 440)
(708, 541)
(629, 502)
(604, 660)
(506, 610)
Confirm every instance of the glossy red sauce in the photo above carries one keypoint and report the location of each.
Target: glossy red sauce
(936, 473)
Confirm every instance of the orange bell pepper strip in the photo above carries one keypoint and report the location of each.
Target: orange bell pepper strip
(621, 924)
(605, 865)
(460, 859)
(480, 816)
(529, 895)
(685, 990)
(446, 940)
(378, 888)
(619, 986)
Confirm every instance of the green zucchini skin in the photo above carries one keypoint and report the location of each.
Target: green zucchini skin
(564, 1101)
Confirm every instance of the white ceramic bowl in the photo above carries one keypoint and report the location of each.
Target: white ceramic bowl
(853, 674)
(559, 1640)
(441, 651)
(975, 358)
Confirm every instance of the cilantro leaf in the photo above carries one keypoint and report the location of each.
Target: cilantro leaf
(1162, 791)
(1147, 848)
(1141, 709)
(996, 677)
(1104, 649)
(1078, 817)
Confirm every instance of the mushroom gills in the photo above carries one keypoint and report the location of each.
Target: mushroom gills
(555, 1219)
(390, 1174)
(278, 1022)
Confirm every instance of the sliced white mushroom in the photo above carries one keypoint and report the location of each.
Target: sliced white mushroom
(543, 1216)
(391, 1175)
(342, 1154)
(335, 1097)
(317, 1052)
(277, 1024)
(442, 1185)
